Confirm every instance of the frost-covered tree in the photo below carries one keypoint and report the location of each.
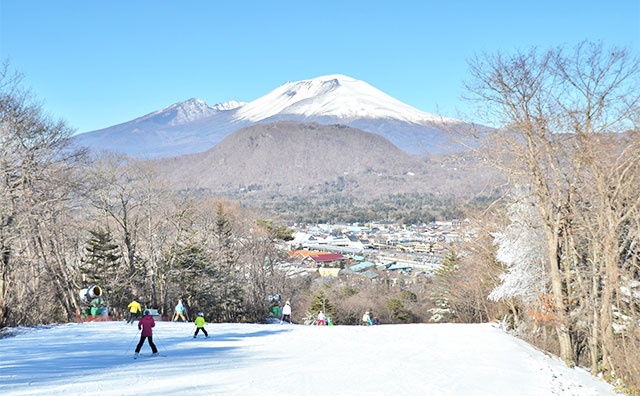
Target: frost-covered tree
(443, 311)
(521, 247)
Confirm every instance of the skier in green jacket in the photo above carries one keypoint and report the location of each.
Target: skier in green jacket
(200, 325)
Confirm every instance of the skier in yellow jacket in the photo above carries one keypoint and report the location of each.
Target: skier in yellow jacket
(200, 325)
(134, 311)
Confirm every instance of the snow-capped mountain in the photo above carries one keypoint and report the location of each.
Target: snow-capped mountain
(184, 112)
(194, 126)
(181, 113)
(183, 128)
(228, 105)
(334, 95)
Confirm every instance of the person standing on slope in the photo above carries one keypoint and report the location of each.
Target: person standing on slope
(146, 323)
(286, 313)
(179, 312)
(134, 310)
(321, 318)
(200, 325)
(366, 319)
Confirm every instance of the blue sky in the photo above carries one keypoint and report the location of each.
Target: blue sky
(99, 63)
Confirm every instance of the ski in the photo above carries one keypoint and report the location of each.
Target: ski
(149, 356)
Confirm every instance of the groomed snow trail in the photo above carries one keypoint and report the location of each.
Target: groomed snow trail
(252, 359)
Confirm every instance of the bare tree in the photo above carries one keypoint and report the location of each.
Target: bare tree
(38, 191)
(566, 126)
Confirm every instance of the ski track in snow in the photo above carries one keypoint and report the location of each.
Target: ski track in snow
(253, 359)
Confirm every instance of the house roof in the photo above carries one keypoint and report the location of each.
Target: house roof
(386, 265)
(338, 249)
(305, 253)
(326, 257)
(398, 267)
(361, 266)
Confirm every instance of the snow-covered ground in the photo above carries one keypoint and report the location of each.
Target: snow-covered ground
(253, 359)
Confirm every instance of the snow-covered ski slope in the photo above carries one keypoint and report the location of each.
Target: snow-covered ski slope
(251, 359)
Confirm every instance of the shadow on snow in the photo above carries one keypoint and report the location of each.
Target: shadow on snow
(33, 361)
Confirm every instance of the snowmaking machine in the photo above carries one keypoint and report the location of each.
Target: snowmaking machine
(95, 306)
(275, 309)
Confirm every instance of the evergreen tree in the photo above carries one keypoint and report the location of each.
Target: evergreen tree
(224, 239)
(396, 307)
(440, 294)
(276, 232)
(100, 266)
(321, 302)
(194, 274)
(229, 288)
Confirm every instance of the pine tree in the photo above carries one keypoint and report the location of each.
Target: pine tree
(194, 274)
(396, 307)
(230, 290)
(224, 239)
(320, 302)
(276, 232)
(442, 284)
(100, 267)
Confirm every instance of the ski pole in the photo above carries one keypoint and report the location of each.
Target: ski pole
(132, 340)
(159, 344)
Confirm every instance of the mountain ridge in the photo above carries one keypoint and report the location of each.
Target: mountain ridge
(193, 126)
(292, 158)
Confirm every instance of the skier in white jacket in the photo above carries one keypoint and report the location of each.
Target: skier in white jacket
(321, 319)
(366, 319)
(286, 313)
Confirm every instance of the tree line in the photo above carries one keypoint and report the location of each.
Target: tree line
(69, 220)
(559, 253)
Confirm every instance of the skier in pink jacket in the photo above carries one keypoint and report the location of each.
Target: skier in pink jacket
(146, 323)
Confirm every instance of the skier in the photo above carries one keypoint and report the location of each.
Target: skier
(366, 319)
(200, 325)
(321, 318)
(146, 323)
(375, 320)
(134, 310)
(286, 313)
(179, 312)
(329, 321)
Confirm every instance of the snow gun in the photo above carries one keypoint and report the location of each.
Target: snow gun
(88, 294)
(275, 308)
(91, 296)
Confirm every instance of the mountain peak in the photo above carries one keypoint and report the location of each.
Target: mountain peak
(193, 104)
(180, 113)
(194, 101)
(189, 110)
(333, 95)
(334, 77)
(228, 105)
